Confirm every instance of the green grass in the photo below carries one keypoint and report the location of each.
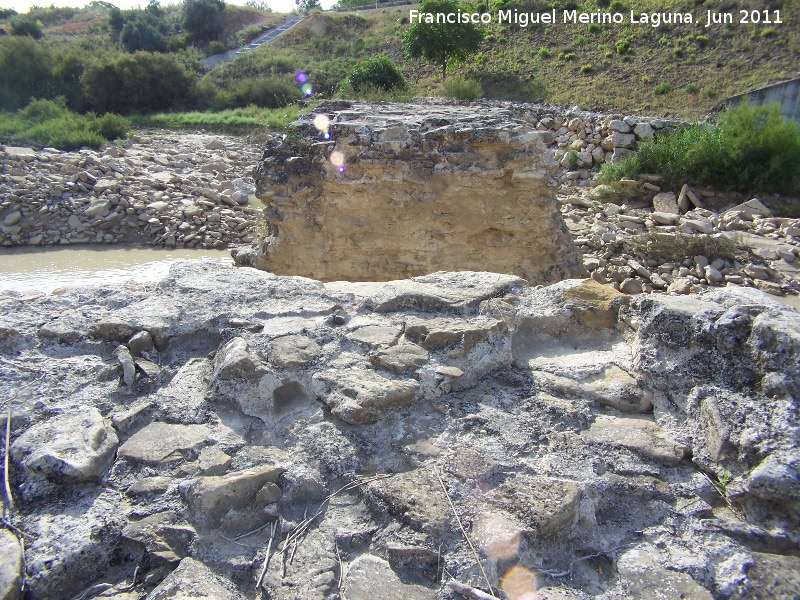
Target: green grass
(236, 119)
(751, 149)
(50, 123)
(667, 247)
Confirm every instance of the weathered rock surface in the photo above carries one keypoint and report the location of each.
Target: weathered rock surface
(155, 190)
(403, 190)
(10, 566)
(73, 447)
(192, 580)
(602, 445)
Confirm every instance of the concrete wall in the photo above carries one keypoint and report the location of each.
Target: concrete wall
(786, 93)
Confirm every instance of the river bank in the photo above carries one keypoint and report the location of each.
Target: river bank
(177, 190)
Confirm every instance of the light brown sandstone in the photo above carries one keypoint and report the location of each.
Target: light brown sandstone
(424, 188)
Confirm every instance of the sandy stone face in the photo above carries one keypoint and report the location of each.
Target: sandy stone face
(422, 188)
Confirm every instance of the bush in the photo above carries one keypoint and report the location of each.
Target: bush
(752, 149)
(623, 47)
(662, 88)
(112, 127)
(544, 53)
(24, 71)
(140, 82)
(594, 28)
(677, 248)
(142, 33)
(379, 72)
(50, 123)
(461, 88)
(27, 27)
(203, 18)
(264, 92)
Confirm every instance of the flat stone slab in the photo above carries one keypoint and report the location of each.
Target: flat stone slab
(640, 434)
(69, 448)
(416, 498)
(192, 580)
(212, 496)
(543, 506)
(375, 335)
(360, 396)
(650, 581)
(370, 577)
(160, 443)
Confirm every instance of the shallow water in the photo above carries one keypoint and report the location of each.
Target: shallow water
(46, 269)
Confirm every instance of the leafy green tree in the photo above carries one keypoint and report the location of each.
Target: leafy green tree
(140, 82)
(142, 33)
(379, 72)
(24, 71)
(203, 18)
(27, 27)
(306, 6)
(442, 43)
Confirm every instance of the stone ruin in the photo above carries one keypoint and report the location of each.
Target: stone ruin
(402, 190)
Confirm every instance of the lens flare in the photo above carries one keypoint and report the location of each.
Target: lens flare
(337, 158)
(301, 76)
(519, 584)
(322, 122)
(342, 169)
(307, 89)
(498, 536)
(327, 135)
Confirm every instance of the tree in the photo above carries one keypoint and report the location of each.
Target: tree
(27, 27)
(142, 33)
(203, 18)
(306, 6)
(378, 71)
(24, 71)
(442, 43)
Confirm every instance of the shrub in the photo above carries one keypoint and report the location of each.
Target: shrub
(581, 40)
(623, 47)
(215, 47)
(662, 88)
(142, 33)
(692, 88)
(594, 28)
(544, 53)
(677, 248)
(50, 123)
(587, 68)
(24, 71)
(264, 92)
(26, 27)
(203, 18)
(461, 88)
(752, 149)
(379, 72)
(112, 127)
(617, 6)
(140, 82)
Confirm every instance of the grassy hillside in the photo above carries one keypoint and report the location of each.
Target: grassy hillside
(675, 69)
(681, 69)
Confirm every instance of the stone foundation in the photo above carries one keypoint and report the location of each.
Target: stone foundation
(424, 188)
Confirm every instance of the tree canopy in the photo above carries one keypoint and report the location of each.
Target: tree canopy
(203, 18)
(442, 43)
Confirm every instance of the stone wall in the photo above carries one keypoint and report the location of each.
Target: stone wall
(173, 190)
(401, 190)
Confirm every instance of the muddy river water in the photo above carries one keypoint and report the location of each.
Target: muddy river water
(47, 269)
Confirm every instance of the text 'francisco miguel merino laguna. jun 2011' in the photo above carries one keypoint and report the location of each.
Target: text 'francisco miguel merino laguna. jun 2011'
(653, 19)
